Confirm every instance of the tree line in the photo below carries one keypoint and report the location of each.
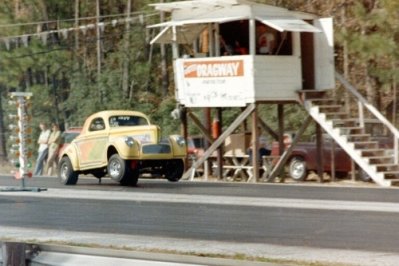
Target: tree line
(75, 73)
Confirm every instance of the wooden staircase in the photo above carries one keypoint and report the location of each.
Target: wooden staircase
(378, 157)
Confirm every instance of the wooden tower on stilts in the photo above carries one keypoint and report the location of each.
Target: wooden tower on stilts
(211, 72)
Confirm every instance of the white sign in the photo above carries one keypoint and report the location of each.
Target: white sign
(214, 82)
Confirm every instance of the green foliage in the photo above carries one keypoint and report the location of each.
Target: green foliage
(162, 117)
(67, 86)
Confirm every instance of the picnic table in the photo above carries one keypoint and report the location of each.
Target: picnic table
(238, 167)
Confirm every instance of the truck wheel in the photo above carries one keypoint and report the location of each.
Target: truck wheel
(66, 174)
(297, 169)
(119, 170)
(174, 170)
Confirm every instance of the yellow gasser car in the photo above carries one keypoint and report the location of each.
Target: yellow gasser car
(124, 145)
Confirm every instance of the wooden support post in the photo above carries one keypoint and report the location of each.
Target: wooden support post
(220, 149)
(13, 254)
(183, 119)
(255, 145)
(319, 150)
(184, 131)
(208, 127)
(332, 160)
(244, 123)
(280, 116)
(207, 123)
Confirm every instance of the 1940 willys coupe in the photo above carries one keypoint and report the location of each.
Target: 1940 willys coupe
(122, 144)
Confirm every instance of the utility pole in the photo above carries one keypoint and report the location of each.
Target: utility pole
(76, 25)
(126, 60)
(98, 48)
(164, 67)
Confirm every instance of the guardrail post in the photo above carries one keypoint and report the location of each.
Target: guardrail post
(13, 254)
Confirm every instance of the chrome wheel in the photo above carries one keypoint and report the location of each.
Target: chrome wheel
(120, 171)
(66, 174)
(114, 169)
(63, 171)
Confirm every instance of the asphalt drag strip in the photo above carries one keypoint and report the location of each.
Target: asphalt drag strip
(187, 246)
(388, 207)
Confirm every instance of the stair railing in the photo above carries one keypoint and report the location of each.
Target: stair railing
(363, 103)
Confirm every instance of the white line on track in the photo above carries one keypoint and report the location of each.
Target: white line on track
(212, 199)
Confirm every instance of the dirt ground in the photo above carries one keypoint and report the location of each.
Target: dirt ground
(6, 169)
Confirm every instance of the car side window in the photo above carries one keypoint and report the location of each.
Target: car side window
(97, 124)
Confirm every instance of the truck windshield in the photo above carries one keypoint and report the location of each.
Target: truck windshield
(127, 121)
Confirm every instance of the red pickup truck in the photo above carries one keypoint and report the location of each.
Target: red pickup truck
(304, 158)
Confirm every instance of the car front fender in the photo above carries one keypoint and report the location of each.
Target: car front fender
(179, 146)
(125, 149)
(72, 153)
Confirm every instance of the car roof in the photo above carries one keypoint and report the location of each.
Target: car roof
(108, 113)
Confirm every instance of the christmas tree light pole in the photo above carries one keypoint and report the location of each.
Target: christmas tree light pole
(20, 145)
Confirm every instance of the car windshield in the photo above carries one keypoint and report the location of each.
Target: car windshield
(127, 121)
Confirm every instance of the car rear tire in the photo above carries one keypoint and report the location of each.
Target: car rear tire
(297, 169)
(174, 170)
(66, 174)
(119, 170)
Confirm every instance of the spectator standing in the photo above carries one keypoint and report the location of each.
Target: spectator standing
(43, 149)
(54, 142)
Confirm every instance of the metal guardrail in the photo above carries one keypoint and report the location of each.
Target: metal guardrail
(14, 253)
